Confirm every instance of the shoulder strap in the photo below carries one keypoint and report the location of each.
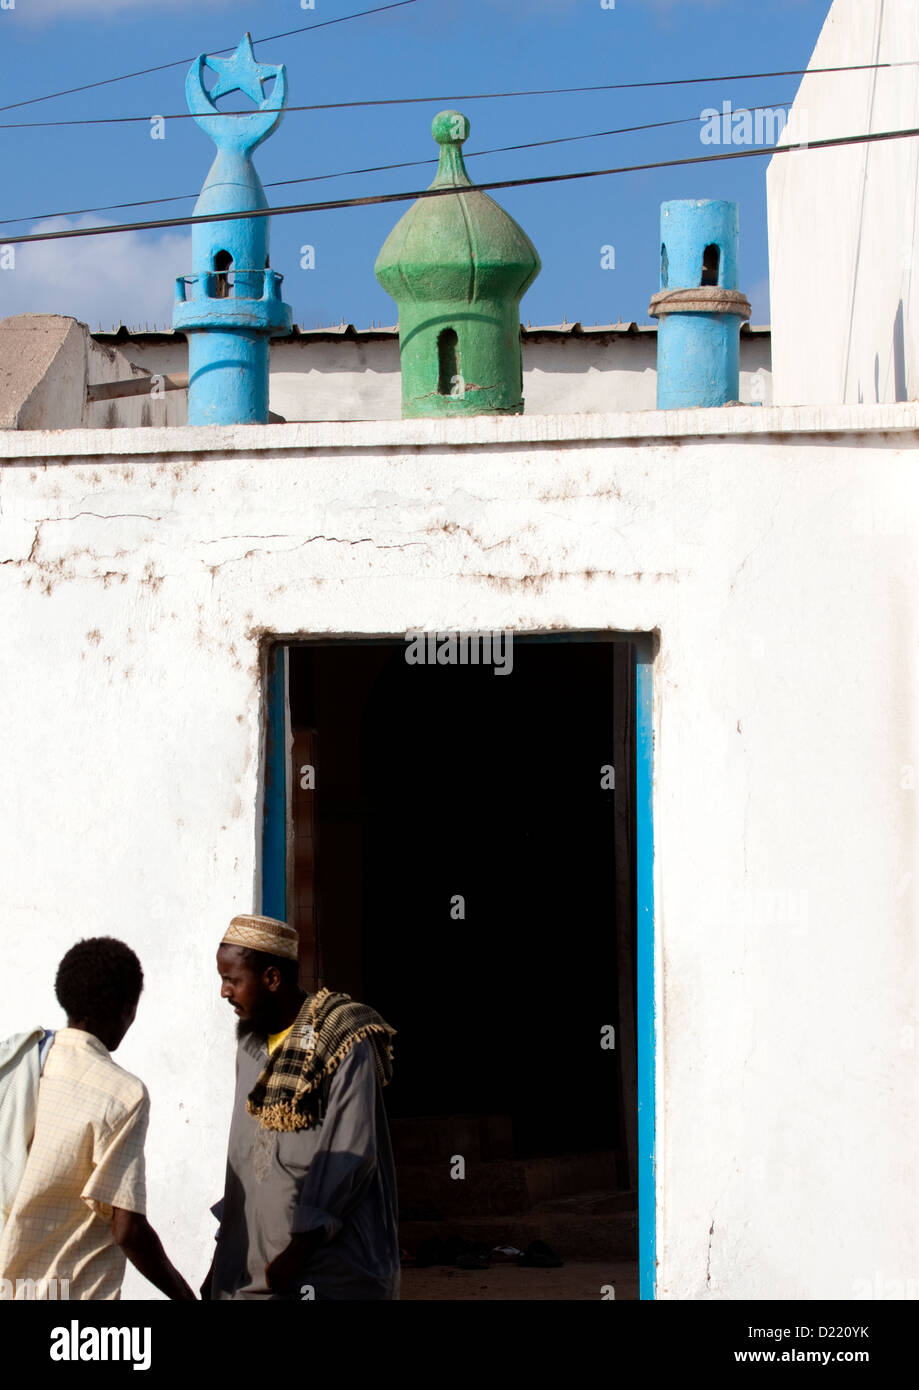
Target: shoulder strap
(44, 1046)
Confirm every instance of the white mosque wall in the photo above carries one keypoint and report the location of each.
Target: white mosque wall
(772, 551)
(844, 223)
(358, 378)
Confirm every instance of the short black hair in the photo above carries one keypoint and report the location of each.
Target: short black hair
(259, 961)
(98, 979)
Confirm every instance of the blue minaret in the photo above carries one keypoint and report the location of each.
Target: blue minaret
(699, 306)
(231, 305)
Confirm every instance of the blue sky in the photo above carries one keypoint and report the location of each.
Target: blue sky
(432, 48)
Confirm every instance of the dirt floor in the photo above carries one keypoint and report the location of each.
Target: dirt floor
(585, 1279)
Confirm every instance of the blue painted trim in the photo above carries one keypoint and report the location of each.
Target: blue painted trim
(274, 899)
(647, 1162)
(274, 832)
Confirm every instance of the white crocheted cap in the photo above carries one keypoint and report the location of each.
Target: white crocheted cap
(263, 934)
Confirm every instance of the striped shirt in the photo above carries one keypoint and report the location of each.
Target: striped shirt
(87, 1157)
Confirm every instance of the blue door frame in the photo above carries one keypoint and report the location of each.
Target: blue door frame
(274, 894)
(647, 1028)
(274, 830)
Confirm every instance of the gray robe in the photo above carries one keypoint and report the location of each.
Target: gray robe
(337, 1176)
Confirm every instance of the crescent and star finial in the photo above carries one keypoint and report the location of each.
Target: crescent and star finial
(238, 73)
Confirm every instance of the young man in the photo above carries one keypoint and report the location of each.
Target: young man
(309, 1208)
(79, 1207)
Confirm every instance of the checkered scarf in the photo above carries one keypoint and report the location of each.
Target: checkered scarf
(287, 1093)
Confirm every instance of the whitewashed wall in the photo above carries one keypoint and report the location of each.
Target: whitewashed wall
(773, 551)
(358, 379)
(844, 223)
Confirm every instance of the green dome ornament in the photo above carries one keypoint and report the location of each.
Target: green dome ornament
(458, 266)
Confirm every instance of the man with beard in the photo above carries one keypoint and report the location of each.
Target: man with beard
(309, 1207)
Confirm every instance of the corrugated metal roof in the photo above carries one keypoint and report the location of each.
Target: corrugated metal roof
(123, 333)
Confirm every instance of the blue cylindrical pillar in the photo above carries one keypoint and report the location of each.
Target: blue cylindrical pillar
(231, 306)
(699, 308)
(227, 377)
(228, 345)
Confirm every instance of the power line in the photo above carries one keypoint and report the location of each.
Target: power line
(180, 62)
(833, 143)
(466, 96)
(403, 164)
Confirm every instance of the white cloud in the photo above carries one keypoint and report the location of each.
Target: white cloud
(123, 277)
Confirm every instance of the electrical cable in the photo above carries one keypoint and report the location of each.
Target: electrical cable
(180, 62)
(835, 142)
(467, 96)
(403, 164)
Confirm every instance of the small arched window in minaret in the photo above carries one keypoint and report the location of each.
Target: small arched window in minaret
(711, 265)
(223, 282)
(665, 267)
(448, 363)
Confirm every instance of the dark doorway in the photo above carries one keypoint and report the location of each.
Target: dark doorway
(434, 783)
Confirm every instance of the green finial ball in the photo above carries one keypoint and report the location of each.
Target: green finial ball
(450, 128)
